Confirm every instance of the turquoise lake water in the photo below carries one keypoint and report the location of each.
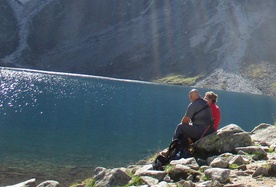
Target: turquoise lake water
(61, 126)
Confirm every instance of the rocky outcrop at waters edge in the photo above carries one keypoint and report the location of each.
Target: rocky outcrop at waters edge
(227, 158)
(230, 157)
(32, 183)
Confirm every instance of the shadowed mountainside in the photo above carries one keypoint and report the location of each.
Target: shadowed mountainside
(220, 45)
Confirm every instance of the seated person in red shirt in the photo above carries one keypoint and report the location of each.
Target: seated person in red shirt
(212, 98)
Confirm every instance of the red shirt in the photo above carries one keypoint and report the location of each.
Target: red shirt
(216, 115)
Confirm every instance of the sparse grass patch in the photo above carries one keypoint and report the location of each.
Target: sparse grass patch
(205, 178)
(201, 170)
(153, 157)
(177, 79)
(270, 150)
(178, 184)
(135, 181)
(233, 166)
(267, 166)
(169, 168)
(90, 182)
(258, 156)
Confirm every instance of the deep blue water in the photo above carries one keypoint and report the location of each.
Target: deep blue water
(61, 126)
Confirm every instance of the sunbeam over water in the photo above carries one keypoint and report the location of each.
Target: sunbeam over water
(61, 126)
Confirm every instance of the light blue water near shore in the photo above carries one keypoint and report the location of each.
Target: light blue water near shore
(74, 121)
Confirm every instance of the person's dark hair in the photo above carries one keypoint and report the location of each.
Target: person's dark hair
(212, 95)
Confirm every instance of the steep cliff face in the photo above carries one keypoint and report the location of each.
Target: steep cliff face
(247, 60)
(147, 40)
(8, 30)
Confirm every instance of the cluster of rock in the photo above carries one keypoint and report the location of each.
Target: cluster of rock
(220, 159)
(32, 183)
(229, 153)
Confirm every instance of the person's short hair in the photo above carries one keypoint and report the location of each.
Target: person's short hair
(212, 95)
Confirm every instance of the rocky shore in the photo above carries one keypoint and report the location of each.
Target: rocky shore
(230, 157)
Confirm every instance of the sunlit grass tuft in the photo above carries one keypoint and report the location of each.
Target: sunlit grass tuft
(90, 182)
(135, 181)
(177, 79)
(233, 166)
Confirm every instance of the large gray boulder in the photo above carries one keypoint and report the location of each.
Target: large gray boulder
(49, 183)
(146, 170)
(219, 174)
(28, 183)
(226, 139)
(32, 183)
(264, 134)
(110, 177)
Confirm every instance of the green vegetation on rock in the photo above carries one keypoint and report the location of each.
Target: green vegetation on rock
(233, 166)
(169, 168)
(90, 182)
(135, 181)
(177, 79)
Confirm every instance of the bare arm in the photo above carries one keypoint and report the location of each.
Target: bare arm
(185, 120)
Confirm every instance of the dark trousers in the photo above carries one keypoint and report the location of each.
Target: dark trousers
(191, 131)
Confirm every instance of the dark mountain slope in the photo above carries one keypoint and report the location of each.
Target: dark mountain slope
(8, 29)
(215, 41)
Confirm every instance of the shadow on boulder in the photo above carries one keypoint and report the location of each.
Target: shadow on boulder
(226, 139)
